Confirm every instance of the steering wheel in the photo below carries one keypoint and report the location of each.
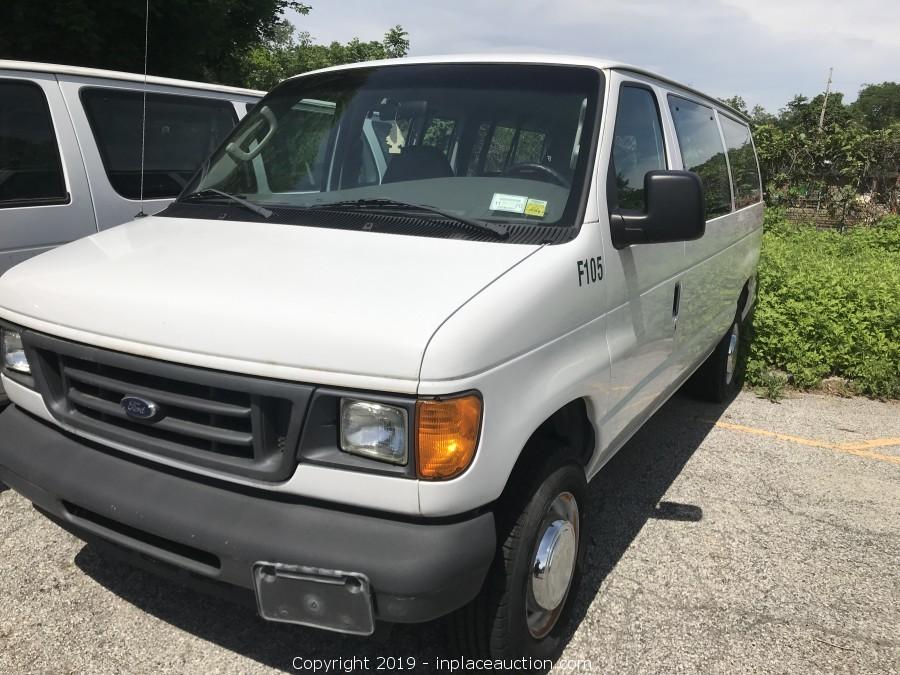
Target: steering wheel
(526, 169)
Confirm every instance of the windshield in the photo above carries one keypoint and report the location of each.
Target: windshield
(488, 142)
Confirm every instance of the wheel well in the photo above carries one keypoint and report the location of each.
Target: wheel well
(568, 428)
(744, 298)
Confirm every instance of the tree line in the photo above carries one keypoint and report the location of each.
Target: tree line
(244, 43)
(849, 165)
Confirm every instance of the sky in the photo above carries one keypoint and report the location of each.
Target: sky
(763, 50)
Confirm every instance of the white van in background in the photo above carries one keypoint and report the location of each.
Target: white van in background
(70, 148)
(349, 392)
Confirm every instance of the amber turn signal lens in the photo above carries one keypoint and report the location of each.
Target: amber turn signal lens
(446, 436)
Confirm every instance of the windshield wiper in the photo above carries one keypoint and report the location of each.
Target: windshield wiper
(393, 204)
(206, 192)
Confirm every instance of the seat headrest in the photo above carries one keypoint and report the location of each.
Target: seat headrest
(417, 163)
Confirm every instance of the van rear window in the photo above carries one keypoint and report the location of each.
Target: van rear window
(30, 169)
(744, 171)
(702, 152)
(182, 131)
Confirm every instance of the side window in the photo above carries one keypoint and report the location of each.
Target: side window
(295, 157)
(439, 134)
(30, 168)
(744, 171)
(637, 144)
(498, 151)
(530, 148)
(182, 131)
(702, 151)
(508, 145)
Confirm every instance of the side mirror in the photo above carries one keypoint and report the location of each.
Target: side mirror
(675, 211)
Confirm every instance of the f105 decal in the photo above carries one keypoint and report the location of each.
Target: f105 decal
(590, 271)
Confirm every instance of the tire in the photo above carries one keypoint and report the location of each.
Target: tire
(718, 378)
(496, 623)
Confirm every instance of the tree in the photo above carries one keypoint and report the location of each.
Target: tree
(850, 165)
(396, 42)
(803, 113)
(736, 102)
(759, 115)
(878, 105)
(188, 39)
(268, 62)
(288, 53)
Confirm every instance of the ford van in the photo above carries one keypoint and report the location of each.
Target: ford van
(364, 367)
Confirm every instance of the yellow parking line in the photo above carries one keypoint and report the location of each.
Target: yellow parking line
(775, 434)
(870, 455)
(860, 449)
(874, 443)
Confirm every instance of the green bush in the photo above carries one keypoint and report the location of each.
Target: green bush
(829, 304)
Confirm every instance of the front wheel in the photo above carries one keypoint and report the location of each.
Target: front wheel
(523, 605)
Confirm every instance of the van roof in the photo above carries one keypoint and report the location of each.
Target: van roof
(548, 59)
(59, 69)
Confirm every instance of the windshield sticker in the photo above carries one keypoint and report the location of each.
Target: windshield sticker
(509, 203)
(536, 207)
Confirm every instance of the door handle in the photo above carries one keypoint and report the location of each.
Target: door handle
(676, 301)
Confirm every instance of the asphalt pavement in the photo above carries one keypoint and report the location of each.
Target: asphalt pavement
(752, 538)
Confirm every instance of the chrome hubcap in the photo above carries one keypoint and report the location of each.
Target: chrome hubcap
(553, 565)
(731, 361)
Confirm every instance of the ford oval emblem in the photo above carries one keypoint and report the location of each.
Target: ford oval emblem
(139, 408)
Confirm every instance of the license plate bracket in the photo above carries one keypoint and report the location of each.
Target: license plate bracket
(311, 596)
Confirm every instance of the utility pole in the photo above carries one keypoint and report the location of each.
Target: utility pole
(825, 102)
(821, 126)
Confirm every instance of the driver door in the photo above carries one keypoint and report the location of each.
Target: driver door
(644, 280)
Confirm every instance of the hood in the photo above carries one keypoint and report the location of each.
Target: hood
(301, 298)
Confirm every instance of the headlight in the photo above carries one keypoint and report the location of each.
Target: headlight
(13, 352)
(374, 430)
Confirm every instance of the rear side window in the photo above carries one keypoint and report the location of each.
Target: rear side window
(509, 145)
(30, 168)
(440, 134)
(637, 144)
(702, 152)
(530, 148)
(744, 171)
(182, 131)
(499, 150)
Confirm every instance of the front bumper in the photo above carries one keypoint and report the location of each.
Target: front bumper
(210, 533)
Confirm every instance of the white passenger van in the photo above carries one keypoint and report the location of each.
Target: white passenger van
(70, 148)
(351, 395)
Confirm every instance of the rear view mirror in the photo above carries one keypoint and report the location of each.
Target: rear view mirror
(674, 211)
(412, 108)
